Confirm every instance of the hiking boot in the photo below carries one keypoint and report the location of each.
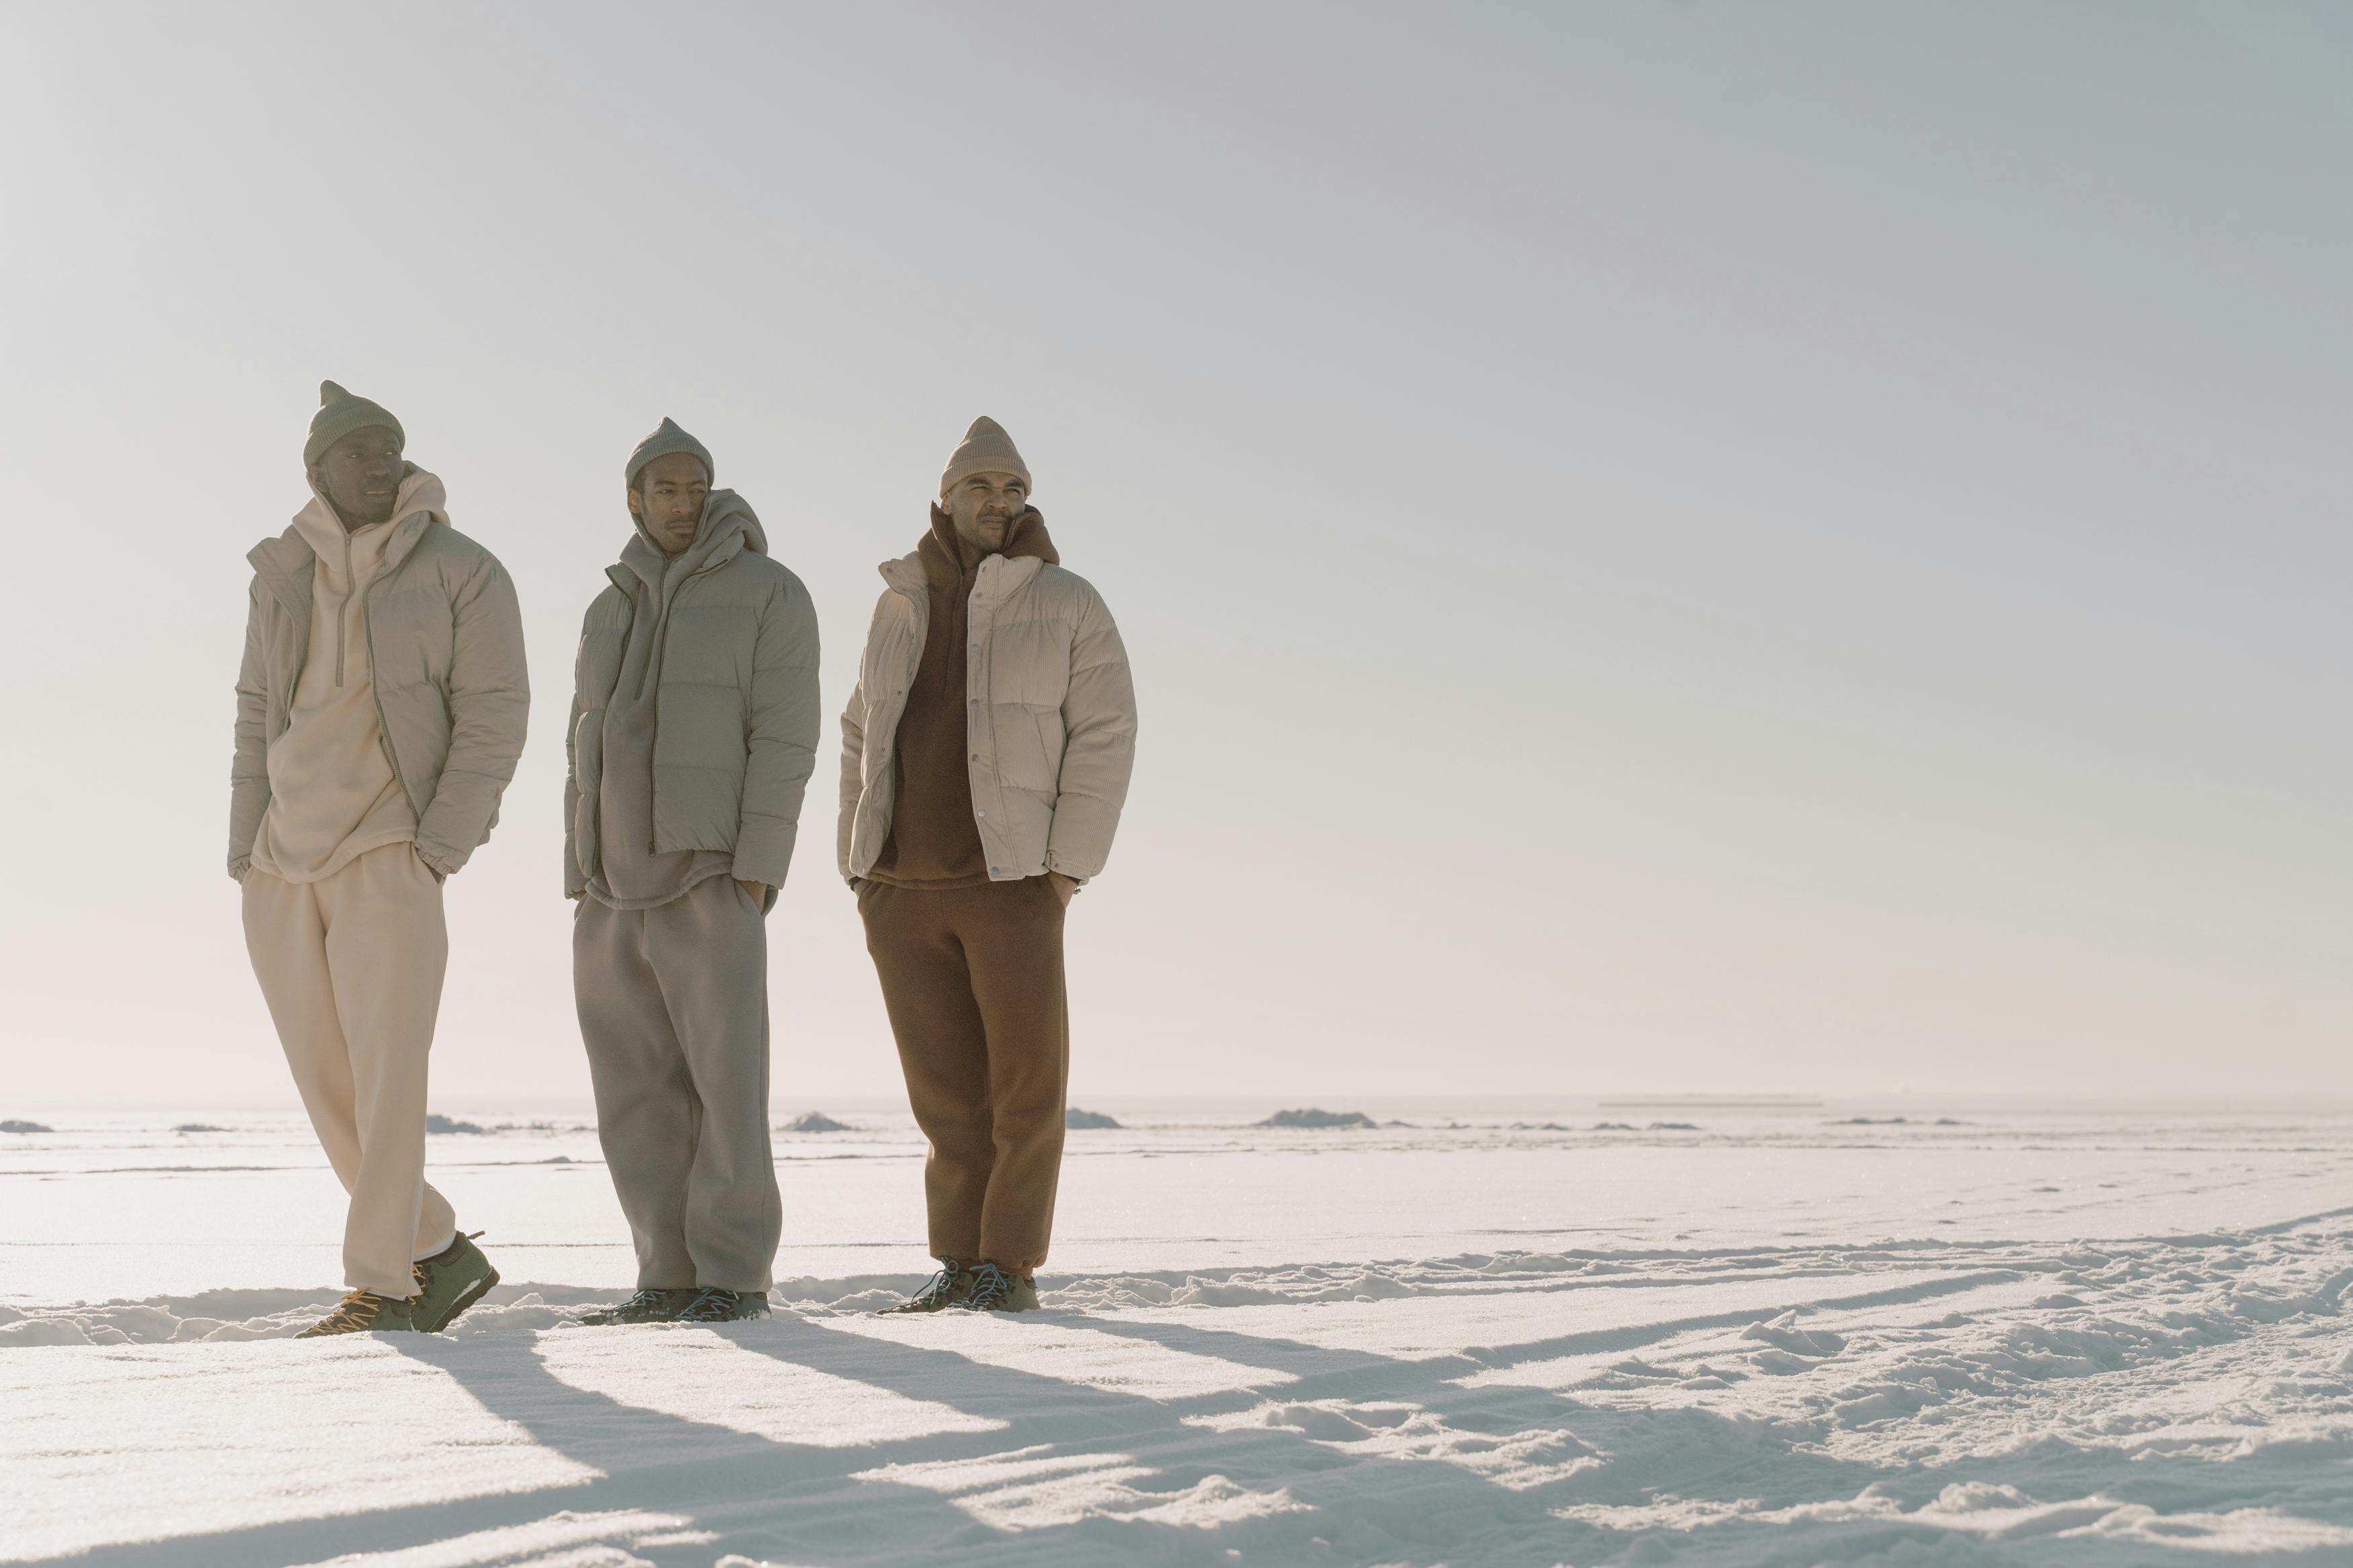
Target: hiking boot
(996, 1289)
(712, 1305)
(946, 1288)
(644, 1306)
(365, 1312)
(449, 1282)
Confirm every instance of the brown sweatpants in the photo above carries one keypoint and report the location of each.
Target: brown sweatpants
(972, 981)
(351, 966)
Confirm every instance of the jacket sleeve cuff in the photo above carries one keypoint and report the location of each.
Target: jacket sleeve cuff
(439, 865)
(764, 851)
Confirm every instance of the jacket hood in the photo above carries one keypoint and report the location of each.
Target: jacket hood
(726, 516)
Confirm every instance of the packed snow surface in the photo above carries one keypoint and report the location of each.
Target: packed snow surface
(1851, 1334)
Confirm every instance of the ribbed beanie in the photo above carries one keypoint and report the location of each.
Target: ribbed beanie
(987, 449)
(339, 415)
(668, 438)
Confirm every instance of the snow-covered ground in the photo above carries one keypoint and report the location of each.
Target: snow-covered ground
(2079, 1338)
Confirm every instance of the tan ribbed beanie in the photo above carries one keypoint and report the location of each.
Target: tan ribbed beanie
(339, 415)
(987, 449)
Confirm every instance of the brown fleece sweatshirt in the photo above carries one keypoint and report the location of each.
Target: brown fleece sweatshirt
(933, 842)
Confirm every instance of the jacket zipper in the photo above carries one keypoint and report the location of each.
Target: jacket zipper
(661, 634)
(920, 612)
(351, 592)
(376, 690)
(972, 704)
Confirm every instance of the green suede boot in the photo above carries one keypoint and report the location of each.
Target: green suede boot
(450, 1281)
(946, 1288)
(996, 1289)
(713, 1305)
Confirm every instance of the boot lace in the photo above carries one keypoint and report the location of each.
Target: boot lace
(640, 1302)
(710, 1305)
(940, 1286)
(990, 1287)
(356, 1313)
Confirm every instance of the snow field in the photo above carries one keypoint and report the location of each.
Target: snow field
(1679, 1391)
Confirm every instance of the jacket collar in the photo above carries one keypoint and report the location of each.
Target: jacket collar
(998, 577)
(285, 563)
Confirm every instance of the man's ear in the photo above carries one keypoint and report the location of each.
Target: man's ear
(637, 509)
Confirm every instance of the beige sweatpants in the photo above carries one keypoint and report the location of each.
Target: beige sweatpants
(351, 966)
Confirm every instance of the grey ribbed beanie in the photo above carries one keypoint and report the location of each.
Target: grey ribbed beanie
(987, 449)
(666, 438)
(339, 415)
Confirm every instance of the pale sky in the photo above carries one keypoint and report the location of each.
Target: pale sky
(1681, 547)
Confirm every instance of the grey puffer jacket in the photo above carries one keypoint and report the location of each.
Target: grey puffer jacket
(736, 711)
(446, 657)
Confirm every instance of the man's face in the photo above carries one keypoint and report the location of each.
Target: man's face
(669, 498)
(983, 507)
(361, 474)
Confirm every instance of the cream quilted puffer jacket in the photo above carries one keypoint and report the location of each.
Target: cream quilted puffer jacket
(1050, 715)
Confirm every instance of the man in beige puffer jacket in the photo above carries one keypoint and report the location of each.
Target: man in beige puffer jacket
(380, 710)
(986, 754)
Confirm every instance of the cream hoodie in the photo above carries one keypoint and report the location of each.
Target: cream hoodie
(333, 796)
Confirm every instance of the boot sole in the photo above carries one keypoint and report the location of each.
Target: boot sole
(472, 1293)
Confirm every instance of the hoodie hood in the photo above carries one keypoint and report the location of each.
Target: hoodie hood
(948, 561)
(320, 527)
(726, 516)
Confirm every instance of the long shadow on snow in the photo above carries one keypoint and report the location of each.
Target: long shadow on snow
(765, 1498)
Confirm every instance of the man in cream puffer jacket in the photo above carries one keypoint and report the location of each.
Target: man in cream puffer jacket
(986, 754)
(380, 710)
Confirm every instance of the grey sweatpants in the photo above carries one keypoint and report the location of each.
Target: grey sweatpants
(674, 1010)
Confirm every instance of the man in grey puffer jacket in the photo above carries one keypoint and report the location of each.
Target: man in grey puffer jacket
(380, 710)
(694, 731)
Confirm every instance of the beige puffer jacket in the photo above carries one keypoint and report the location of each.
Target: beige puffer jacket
(444, 655)
(1050, 715)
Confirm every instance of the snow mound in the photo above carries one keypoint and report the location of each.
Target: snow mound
(437, 1122)
(1311, 1117)
(1076, 1120)
(12, 1125)
(814, 1122)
